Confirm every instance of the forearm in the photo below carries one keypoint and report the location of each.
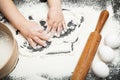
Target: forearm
(54, 4)
(10, 11)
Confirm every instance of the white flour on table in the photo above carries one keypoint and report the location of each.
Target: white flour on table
(44, 65)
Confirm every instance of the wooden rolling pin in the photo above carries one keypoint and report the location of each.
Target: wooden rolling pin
(90, 49)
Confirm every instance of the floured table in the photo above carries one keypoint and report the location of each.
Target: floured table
(58, 59)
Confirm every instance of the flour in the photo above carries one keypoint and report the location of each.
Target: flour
(44, 66)
(5, 47)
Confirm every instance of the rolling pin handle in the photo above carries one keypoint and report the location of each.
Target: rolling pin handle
(101, 21)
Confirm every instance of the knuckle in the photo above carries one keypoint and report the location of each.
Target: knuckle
(36, 39)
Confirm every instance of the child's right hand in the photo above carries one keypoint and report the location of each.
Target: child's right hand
(34, 34)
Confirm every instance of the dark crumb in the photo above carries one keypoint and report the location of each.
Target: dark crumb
(17, 32)
(43, 0)
(21, 46)
(71, 24)
(25, 44)
(45, 27)
(65, 10)
(42, 22)
(82, 19)
(30, 18)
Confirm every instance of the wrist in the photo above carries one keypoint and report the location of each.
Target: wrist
(54, 9)
(20, 24)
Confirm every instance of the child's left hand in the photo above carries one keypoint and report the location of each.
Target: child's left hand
(55, 19)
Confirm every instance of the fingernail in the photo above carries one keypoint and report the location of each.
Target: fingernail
(37, 47)
(55, 34)
(34, 45)
(62, 32)
(50, 39)
(65, 30)
(50, 35)
(58, 34)
(45, 45)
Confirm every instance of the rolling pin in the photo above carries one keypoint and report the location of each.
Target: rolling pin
(87, 56)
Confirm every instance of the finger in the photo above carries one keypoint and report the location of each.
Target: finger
(64, 25)
(43, 36)
(48, 29)
(50, 34)
(39, 41)
(32, 43)
(59, 29)
(49, 26)
(39, 29)
(54, 26)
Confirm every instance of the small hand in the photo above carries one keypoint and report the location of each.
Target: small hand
(55, 19)
(34, 34)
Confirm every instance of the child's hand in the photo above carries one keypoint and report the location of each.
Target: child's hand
(34, 34)
(55, 20)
